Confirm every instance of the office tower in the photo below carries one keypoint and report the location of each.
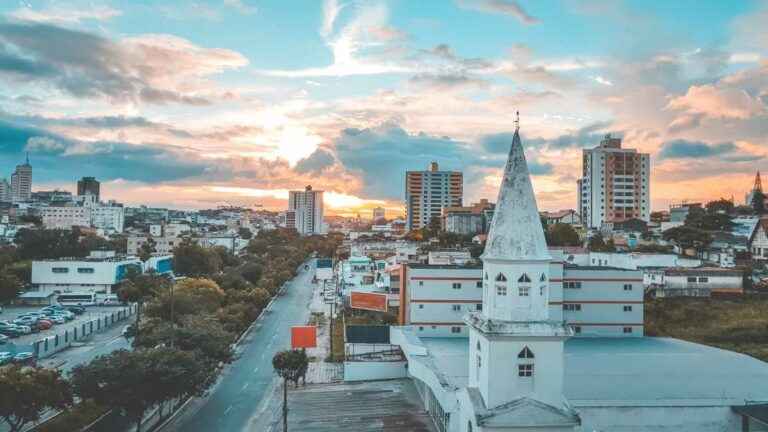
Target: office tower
(89, 186)
(379, 213)
(428, 192)
(21, 182)
(5, 190)
(615, 184)
(308, 208)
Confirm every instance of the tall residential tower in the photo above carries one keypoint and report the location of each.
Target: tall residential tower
(307, 206)
(428, 192)
(21, 182)
(89, 186)
(615, 184)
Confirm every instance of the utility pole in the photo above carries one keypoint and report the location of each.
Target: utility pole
(173, 323)
(285, 404)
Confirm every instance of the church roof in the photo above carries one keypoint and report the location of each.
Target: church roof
(516, 232)
(523, 412)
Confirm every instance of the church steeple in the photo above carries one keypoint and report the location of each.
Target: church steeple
(516, 232)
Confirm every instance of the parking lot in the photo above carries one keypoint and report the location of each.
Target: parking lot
(10, 313)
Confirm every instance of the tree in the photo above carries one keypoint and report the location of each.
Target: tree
(720, 206)
(49, 244)
(252, 272)
(290, 365)
(202, 334)
(688, 237)
(134, 381)
(561, 234)
(190, 296)
(245, 233)
(10, 286)
(598, 244)
(191, 259)
(138, 288)
(26, 392)
(146, 249)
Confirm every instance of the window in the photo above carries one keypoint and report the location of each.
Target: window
(456, 308)
(525, 353)
(627, 287)
(524, 278)
(525, 370)
(572, 285)
(501, 289)
(421, 306)
(479, 284)
(577, 329)
(479, 307)
(571, 307)
(543, 278)
(627, 329)
(434, 327)
(541, 290)
(455, 330)
(524, 291)
(478, 345)
(60, 270)
(692, 279)
(421, 283)
(627, 308)
(479, 362)
(421, 328)
(88, 270)
(703, 279)
(501, 278)
(456, 285)
(486, 276)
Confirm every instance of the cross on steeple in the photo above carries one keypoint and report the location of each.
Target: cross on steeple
(517, 121)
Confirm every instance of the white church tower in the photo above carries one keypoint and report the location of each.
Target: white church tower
(516, 361)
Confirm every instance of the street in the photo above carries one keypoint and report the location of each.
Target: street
(234, 403)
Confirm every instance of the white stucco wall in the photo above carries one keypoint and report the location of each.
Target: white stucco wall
(372, 371)
(658, 419)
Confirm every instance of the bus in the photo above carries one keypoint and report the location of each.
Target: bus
(77, 299)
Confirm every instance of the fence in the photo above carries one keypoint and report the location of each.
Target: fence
(64, 338)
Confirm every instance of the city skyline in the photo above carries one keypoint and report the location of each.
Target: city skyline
(211, 104)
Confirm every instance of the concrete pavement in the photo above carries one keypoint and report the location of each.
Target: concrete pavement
(236, 402)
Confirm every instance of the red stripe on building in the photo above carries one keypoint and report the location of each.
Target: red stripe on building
(445, 278)
(447, 301)
(596, 302)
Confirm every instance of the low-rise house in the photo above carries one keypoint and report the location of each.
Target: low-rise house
(758, 241)
(698, 282)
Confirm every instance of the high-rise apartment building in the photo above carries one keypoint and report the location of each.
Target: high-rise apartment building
(379, 213)
(89, 186)
(428, 192)
(5, 190)
(21, 182)
(307, 206)
(615, 184)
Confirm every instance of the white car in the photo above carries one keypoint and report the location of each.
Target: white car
(24, 329)
(57, 319)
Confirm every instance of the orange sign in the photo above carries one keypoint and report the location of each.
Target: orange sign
(303, 337)
(368, 301)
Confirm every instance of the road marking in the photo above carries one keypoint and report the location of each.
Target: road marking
(245, 386)
(226, 411)
(255, 370)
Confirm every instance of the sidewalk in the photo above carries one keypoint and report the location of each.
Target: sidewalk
(320, 371)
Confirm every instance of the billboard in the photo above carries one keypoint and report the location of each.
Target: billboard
(324, 269)
(303, 337)
(368, 301)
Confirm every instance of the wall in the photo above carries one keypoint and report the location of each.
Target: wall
(63, 338)
(659, 419)
(374, 370)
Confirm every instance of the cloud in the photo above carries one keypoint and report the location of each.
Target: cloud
(718, 102)
(68, 15)
(331, 9)
(157, 69)
(316, 162)
(683, 149)
(443, 82)
(241, 6)
(505, 7)
(44, 145)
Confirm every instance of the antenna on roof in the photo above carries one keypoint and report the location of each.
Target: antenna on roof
(27, 158)
(517, 122)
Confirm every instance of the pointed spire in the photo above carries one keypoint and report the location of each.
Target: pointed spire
(516, 232)
(758, 183)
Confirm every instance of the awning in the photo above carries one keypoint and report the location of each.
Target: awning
(756, 412)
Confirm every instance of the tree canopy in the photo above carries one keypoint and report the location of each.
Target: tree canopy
(561, 234)
(26, 392)
(191, 259)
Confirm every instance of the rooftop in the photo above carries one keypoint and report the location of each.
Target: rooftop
(630, 371)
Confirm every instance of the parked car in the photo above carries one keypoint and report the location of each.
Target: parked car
(4, 339)
(57, 319)
(24, 329)
(27, 321)
(66, 314)
(11, 332)
(44, 324)
(5, 358)
(77, 310)
(26, 358)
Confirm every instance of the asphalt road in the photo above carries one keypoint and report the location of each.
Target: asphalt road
(85, 351)
(233, 404)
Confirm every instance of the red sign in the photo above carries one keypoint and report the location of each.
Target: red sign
(368, 301)
(303, 337)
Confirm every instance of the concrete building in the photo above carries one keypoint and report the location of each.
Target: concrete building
(521, 369)
(699, 282)
(758, 241)
(21, 182)
(428, 192)
(66, 217)
(163, 245)
(5, 190)
(471, 220)
(89, 186)
(307, 206)
(110, 218)
(568, 217)
(379, 213)
(615, 184)
(53, 197)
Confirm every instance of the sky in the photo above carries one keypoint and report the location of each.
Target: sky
(196, 104)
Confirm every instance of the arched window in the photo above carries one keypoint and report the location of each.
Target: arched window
(501, 285)
(526, 353)
(486, 275)
(478, 345)
(524, 278)
(543, 278)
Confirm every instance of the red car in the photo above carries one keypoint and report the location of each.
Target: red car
(44, 324)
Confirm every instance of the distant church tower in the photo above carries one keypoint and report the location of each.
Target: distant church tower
(516, 361)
